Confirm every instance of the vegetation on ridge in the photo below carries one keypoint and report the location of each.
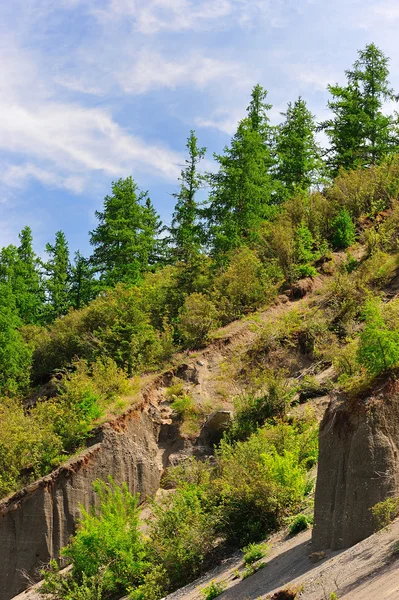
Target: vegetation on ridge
(278, 208)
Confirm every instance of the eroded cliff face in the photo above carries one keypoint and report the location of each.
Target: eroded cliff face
(37, 522)
(358, 465)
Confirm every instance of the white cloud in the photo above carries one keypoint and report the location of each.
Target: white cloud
(152, 16)
(151, 71)
(65, 144)
(17, 176)
(225, 122)
(386, 10)
(79, 139)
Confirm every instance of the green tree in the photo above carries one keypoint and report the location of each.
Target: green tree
(360, 133)
(126, 242)
(343, 230)
(19, 267)
(299, 156)
(83, 286)
(242, 189)
(185, 231)
(15, 355)
(29, 284)
(57, 272)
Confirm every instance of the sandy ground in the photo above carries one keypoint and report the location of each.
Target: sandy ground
(367, 571)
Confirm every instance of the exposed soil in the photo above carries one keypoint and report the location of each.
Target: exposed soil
(367, 571)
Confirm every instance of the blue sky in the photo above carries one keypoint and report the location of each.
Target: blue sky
(94, 90)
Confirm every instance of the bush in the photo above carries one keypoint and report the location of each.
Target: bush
(300, 523)
(83, 396)
(213, 590)
(183, 532)
(366, 191)
(244, 285)
(107, 553)
(197, 317)
(60, 586)
(254, 552)
(385, 512)
(251, 412)
(34, 443)
(264, 479)
(29, 447)
(379, 344)
(115, 325)
(343, 230)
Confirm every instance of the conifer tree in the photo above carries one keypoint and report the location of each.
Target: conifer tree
(126, 242)
(83, 286)
(29, 287)
(185, 231)
(15, 355)
(57, 272)
(242, 190)
(19, 267)
(299, 156)
(360, 133)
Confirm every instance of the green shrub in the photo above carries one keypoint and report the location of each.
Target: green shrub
(155, 585)
(107, 553)
(83, 396)
(34, 443)
(213, 590)
(115, 325)
(244, 285)
(29, 447)
(251, 412)
(379, 344)
(343, 230)
(65, 587)
(302, 271)
(197, 317)
(385, 512)
(183, 532)
(264, 479)
(300, 523)
(254, 552)
(365, 191)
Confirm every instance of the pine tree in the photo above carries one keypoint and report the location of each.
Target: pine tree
(185, 231)
(57, 280)
(242, 189)
(299, 157)
(126, 240)
(15, 354)
(360, 133)
(83, 286)
(19, 267)
(29, 287)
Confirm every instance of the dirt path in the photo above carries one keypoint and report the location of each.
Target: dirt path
(367, 571)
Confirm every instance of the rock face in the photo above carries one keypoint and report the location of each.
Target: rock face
(358, 465)
(37, 522)
(214, 427)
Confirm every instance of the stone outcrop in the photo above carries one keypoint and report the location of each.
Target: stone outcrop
(358, 465)
(36, 522)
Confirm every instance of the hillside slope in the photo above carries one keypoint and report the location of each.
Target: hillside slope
(368, 570)
(135, 447)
